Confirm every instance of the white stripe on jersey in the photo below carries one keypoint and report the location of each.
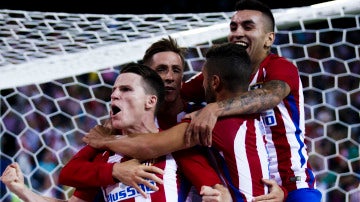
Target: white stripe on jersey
(170, 179)
(242, 163)
(242, 160)
(264, 159)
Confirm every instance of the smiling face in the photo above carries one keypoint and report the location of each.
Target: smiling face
(250, 28)
(169, 66)
(128, 101)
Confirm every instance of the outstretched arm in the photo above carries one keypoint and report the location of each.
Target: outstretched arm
(254, 101)
(13, 178)
(141, 146)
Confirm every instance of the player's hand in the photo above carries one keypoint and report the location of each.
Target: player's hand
(99, 136)
(216, 193)
(132, 173)
(13, 178)
(276, 194)
(201, 126)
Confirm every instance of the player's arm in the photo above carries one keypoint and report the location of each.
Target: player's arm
(141, 146)
(196, 167)
(254, 101)
(13, 178)
(82, 171)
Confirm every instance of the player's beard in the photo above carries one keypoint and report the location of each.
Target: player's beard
(209, 94)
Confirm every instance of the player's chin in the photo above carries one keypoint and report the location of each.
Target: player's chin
(117, 123)
(170, 97)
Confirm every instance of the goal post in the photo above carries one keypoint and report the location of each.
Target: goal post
(57, 70)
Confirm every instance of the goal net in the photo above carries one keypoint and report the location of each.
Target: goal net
(57, 70)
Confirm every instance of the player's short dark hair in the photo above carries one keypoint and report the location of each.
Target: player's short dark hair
(231, 63)
(257, 6)
(163, 45)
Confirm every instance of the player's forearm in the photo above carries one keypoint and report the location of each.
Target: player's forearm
(83, 171)
(23, 193)
(196, 167)
(29, 196)
(254, 101)
(150, 145)
(131, 146)
(142, 146)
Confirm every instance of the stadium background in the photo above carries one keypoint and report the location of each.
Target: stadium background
(42, 124)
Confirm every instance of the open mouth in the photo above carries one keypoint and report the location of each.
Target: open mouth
(169, 88)
(115, 109)
(243, 44)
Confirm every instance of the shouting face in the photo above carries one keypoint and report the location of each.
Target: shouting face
(128, 101)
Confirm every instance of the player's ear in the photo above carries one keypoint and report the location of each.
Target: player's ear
(215, 82)
(151, 101)
(270, 38)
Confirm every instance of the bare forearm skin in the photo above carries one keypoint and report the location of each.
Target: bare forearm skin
(150, 145)
(29, 196)
(255, 101)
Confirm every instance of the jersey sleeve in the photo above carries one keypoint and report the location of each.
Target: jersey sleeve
(192, 90)
(88, 168)
(283, 70)
(196, 168)
(88, 194)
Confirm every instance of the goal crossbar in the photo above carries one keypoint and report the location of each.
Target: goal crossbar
(61, 66)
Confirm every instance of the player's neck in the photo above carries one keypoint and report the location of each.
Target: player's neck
(225, 95)
(172, 108)
(168, 113)
(255, 62)
(147, 125)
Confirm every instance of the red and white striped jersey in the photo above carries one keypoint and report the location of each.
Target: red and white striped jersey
(240, 143)
(285, 123)
(285, 126)
(168, 191)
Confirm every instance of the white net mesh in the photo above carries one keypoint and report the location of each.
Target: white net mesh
(57, 70)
